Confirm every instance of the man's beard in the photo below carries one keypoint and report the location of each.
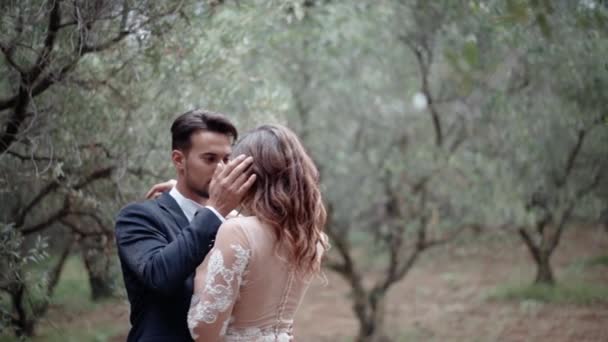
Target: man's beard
(204, 192)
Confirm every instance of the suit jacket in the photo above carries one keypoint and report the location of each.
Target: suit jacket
(159, 252)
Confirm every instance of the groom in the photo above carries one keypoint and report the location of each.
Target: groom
(161, 242)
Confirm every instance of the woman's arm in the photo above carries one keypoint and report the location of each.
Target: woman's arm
(217, 284)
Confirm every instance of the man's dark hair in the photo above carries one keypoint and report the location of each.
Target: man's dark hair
(196, 120)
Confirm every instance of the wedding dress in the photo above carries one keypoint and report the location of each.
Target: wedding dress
(245, 289)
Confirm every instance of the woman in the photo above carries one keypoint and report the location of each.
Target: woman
(250, 285)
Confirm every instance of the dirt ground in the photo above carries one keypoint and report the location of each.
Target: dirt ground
(444, 297)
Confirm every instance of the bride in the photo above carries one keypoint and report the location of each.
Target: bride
(250, 285)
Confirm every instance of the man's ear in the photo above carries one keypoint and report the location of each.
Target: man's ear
(179, 159)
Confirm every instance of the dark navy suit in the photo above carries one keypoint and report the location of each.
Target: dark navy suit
(159, 252)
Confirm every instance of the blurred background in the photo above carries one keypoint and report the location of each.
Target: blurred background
(463, 149)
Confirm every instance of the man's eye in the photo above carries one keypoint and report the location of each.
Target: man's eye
(210, 159)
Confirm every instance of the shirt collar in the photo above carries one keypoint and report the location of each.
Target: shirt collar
(188, 206)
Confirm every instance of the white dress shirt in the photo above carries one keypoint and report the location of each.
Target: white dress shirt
(189, 207)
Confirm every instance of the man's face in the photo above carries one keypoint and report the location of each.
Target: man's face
(198, 164)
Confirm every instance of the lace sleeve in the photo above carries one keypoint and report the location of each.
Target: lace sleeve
(217, 283)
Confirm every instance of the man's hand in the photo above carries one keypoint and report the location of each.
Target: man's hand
(158, 189)
(229, 184)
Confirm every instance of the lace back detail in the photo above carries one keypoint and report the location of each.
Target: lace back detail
(221, 288)
(279, 333)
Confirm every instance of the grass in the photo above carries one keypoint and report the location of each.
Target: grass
(588, 266)
(562, 293)
(601, 260)
(72, 292)
(94, 333)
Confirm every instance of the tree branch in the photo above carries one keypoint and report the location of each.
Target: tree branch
(32, 157)
(97, 145)
(59, 214)
(74, 227)
(9, 49)
(347, 269)
(461, 136)
(407, 265)
(8, 54)
(43, 59)
(49, 188)
(105, 172)
(424, 66)
(532, 247)
(572, 157)
(92, 215)
(15, 120)
(43, 84)
(592, 185)
(570, 208)
(20, 317)
(107, 44)
(56, 271)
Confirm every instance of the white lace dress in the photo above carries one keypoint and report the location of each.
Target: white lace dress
(244, 291)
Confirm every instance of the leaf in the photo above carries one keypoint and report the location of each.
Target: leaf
(517, 11)
(471, 53)
(58, 171)
(543, 23)
(466, 85)
(452, 59)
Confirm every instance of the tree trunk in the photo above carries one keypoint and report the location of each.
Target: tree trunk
(371, 327)
(23, 328)
(23, 325)
(95, 255)
(544, 272)
(101, 287)
(100, 280)
(541, 254)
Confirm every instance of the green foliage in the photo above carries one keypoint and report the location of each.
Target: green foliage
(17, 266)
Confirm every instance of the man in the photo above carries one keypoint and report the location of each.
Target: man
(162, 241)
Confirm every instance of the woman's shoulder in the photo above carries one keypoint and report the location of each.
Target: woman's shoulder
(243, 221)
(248, 226)
(232, 228)
(257, 232)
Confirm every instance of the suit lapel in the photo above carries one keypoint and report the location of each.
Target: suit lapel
(169, 204)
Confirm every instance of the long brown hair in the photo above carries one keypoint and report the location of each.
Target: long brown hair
(286, 193)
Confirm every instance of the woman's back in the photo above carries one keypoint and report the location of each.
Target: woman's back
(246, 289)
(250, 285)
